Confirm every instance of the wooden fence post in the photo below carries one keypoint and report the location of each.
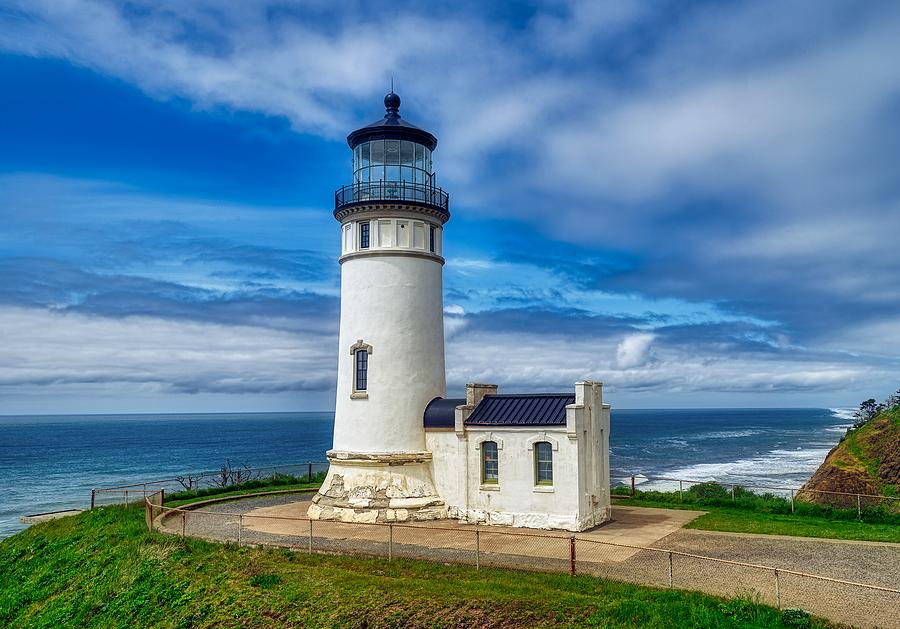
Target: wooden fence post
(632, 485)
(572, 555)
(477, 547)
(671, 579)
(240, 527)
(777, 590)
(93, 493)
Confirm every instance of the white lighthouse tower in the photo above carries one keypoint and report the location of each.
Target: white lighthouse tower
(391, 362)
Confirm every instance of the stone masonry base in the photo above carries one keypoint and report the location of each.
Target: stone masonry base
(378, 487)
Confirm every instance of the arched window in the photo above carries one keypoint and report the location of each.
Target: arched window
(360, 352)
(490, 467)
(543, 463)
(362, 370)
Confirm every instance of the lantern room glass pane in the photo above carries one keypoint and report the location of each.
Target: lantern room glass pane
(407, 153)
(392, 173)
(420, 156)
(392, 152)
(377, 147)
(364, 154)
(364, 175)
(428, 161)
(406, 174)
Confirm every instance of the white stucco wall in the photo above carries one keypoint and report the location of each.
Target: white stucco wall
(394, 303)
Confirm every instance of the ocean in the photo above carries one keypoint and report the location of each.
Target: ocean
(51, 462)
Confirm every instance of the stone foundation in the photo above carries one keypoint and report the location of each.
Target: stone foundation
(378, 487)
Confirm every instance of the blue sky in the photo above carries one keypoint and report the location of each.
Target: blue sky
(695, 202)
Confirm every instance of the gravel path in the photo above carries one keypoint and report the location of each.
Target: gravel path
(873, 563)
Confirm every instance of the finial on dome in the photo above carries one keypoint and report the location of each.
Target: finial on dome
(392, 103)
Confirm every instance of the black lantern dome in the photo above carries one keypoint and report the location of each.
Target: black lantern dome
(393, 127)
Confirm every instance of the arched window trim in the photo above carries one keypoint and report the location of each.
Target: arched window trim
(538, 480)
(357, 392)
(492, 476)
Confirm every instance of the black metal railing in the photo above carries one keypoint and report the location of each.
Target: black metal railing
(391, 191)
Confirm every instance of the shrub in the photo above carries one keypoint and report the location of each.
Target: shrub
(796, 618)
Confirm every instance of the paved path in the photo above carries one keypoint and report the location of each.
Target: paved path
(604, 551)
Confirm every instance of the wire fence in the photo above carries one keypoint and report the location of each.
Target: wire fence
(840, 499)
(446, 541)
(226, 476)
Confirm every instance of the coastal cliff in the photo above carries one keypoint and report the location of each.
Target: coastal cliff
(866, 461)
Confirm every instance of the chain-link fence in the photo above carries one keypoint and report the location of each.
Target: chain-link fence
(203, 482)
(792, 495)
(448, 541)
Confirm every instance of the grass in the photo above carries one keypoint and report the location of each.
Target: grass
(278, 483)
(768, 514)
(103, 569)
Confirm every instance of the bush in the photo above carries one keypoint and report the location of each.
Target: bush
(796, 618)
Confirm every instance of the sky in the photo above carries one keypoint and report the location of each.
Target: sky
(697, 203)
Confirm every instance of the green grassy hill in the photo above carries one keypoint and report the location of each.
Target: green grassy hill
(103, 569)
(866, 461)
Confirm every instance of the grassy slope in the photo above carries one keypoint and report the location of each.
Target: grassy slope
(862, 451)
(103, 569)
(770, 517)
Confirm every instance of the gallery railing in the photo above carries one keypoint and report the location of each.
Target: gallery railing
(391, 191)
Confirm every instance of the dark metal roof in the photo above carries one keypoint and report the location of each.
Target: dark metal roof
(392, 127)
(540, 409)
(441, 413)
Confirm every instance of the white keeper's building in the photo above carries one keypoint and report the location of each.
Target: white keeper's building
(402, 450)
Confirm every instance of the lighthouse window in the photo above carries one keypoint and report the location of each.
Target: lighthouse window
(431, 239)
(364, 235)
(407, 153)
(489, 463)
(362, 369)
(543, 463)
(364, 154)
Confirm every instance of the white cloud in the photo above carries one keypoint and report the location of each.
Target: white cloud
(634, 351)
(55, 349)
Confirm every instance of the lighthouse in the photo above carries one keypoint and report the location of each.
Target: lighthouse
(391, 346)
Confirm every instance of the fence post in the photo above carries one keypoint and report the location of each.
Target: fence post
(390, 541)
(792, 501)
(309, 541)
(477, 547)
(632, 485)
(858, 507)
(93, 492)
(777, 590)
(671, 580)
(162, 496)
(309, 472)
(572, 555)
(183, 518)
(240, 527)
(126, 497)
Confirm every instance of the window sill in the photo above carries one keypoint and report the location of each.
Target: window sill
(490, 487)
(359, 395)
(543, 489)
